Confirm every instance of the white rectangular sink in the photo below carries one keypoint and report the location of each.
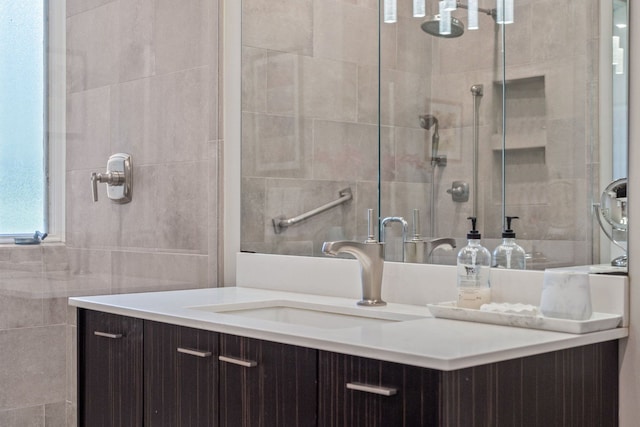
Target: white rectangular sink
(309, 314)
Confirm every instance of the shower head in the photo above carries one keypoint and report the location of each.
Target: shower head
(427, 121)
(432, 26)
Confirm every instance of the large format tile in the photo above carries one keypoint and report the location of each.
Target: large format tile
(23, 417)
(92, 48)
(33, 368)
(285, 25)
(177, 101)
(157, 271)
(181, 32)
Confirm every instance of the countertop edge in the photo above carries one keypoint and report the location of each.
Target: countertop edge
(390, 355)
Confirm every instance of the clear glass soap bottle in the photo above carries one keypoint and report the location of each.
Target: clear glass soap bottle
(509, 254)
(474, 269)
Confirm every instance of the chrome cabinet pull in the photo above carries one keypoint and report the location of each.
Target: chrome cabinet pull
(383, 391)
(192, 352)
(241, 362)
(107, 335)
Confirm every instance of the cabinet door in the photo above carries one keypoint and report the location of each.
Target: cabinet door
(355, 391)
(180, 376)
(266, 384)
(110, 368)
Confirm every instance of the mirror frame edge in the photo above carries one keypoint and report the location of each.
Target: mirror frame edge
(231, 140)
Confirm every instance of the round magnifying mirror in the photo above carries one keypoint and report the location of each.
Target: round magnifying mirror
(613, 204)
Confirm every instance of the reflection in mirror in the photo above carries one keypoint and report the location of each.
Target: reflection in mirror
(613, 210)
(433, 125)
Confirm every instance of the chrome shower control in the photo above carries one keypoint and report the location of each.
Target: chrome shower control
(118, 177)
(459, 191)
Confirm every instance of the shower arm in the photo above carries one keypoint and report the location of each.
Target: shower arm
(491, 12)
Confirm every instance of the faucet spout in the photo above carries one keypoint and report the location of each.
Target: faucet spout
(370, 255)
(446, 243)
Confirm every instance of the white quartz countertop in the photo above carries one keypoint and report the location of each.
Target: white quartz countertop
(426, 341)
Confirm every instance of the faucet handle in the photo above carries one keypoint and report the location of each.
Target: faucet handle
(118, 177)
(371, 227)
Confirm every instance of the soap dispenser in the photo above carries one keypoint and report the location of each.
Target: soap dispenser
(474, 268)
(509, 254)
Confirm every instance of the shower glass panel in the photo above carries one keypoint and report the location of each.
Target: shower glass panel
(309, 122)
(440, 93)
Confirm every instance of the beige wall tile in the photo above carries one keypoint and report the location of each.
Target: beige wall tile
(23, 417)
(34, 366)
(88, 129)
(179, 101)
(311, 87)
(137, 56)
(285, 25)
(276, 146)
(186, 45)
(144, 271)
(92, 48)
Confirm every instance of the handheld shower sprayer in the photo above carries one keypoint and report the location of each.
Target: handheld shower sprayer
(427, 121)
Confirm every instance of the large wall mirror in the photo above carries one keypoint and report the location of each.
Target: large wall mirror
(430, 116)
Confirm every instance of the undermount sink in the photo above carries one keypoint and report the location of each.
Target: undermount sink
(309, 314)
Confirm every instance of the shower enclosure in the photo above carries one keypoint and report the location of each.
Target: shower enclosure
(413, 120)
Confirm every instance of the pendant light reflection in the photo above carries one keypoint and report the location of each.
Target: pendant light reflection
(618, 56)
(504, 11)
(390, 11)
(419, 9)
(450, 5)
(445, 18)
(473, 15)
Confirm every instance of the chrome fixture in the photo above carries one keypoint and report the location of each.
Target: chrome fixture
(118, 177)
(435, 25)
(419, 250)
(281, 222)
(459, 191)
(36, 239)
(405, 228)
(432, 26)
(370, 255)
(613, 208)
(446, 243)
(477, 91)
(427, 121)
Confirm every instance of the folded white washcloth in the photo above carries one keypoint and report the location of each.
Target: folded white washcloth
(510, 308)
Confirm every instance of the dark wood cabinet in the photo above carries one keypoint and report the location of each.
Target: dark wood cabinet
(180, 376)
(110, 360)
(134, 373)
(264, 383)
(360, 392)
(573, 387)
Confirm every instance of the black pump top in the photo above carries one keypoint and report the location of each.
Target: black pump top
(509, 233)
(473, 234)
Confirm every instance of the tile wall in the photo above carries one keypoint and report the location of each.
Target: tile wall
(142, 78)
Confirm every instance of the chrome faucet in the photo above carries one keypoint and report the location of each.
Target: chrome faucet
(371, 258)
(447, 243)
(370, 255)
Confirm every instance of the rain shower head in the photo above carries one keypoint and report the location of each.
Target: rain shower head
(432, 26)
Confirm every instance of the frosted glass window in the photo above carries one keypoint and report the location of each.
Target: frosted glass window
(22, 117)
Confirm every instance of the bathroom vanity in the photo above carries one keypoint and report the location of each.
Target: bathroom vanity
(213, 357)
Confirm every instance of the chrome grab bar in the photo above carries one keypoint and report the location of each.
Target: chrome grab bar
(281, 222)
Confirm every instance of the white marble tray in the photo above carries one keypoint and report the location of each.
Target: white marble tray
(597, 322)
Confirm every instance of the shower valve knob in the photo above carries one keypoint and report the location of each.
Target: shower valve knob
(118, 177)
(459, 191)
